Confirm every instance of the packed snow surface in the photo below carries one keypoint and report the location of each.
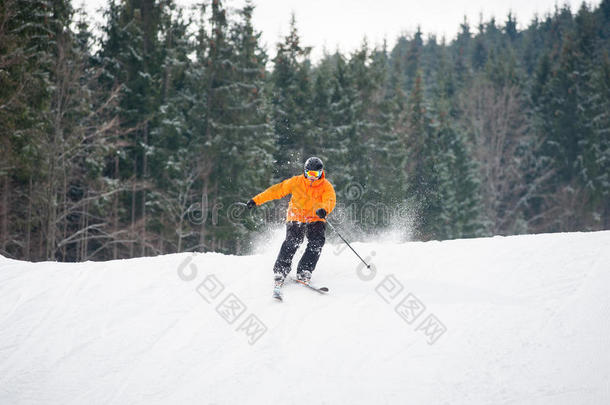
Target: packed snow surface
(503, 320)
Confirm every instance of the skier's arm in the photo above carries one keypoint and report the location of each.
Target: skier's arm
(274, 192)
(329, 198)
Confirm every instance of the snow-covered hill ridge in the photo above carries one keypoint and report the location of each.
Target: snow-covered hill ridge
(504, 320)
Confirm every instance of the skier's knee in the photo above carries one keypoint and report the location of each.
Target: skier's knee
(293, 243)
(317, 242)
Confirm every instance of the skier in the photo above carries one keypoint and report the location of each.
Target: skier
(313, 198)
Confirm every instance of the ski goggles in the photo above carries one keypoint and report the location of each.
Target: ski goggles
(313, 174)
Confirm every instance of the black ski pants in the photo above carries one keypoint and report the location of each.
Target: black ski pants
(295, 233)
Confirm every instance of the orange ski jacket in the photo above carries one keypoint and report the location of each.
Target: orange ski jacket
(307, 197)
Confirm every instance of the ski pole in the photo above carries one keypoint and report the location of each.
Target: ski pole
(368, 266)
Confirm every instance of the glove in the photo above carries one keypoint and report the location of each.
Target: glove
(250, 204)
(321, 212)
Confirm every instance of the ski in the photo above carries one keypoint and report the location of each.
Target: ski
(321, 290)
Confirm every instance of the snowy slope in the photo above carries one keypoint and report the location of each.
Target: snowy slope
(515, 320)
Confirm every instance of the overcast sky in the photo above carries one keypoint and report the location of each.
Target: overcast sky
(342, 24)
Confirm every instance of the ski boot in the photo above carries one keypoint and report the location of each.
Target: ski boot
(278, 282)
(304, 277)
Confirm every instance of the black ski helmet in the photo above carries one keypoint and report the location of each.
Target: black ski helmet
(313, 163)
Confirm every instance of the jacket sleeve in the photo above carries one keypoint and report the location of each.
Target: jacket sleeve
(329, 198)
(274, 192)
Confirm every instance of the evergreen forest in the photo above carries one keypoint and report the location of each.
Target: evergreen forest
(143, 136)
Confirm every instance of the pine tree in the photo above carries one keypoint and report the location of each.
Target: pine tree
(563, 120)
(24, 95)
(173, 154)
(422, 170)
(249, 142)
(596, 161)
(412, 62)
(460, 208)
(342, 133)
(290, 104)
(387, 145)
(132, 56)
(461, 54)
